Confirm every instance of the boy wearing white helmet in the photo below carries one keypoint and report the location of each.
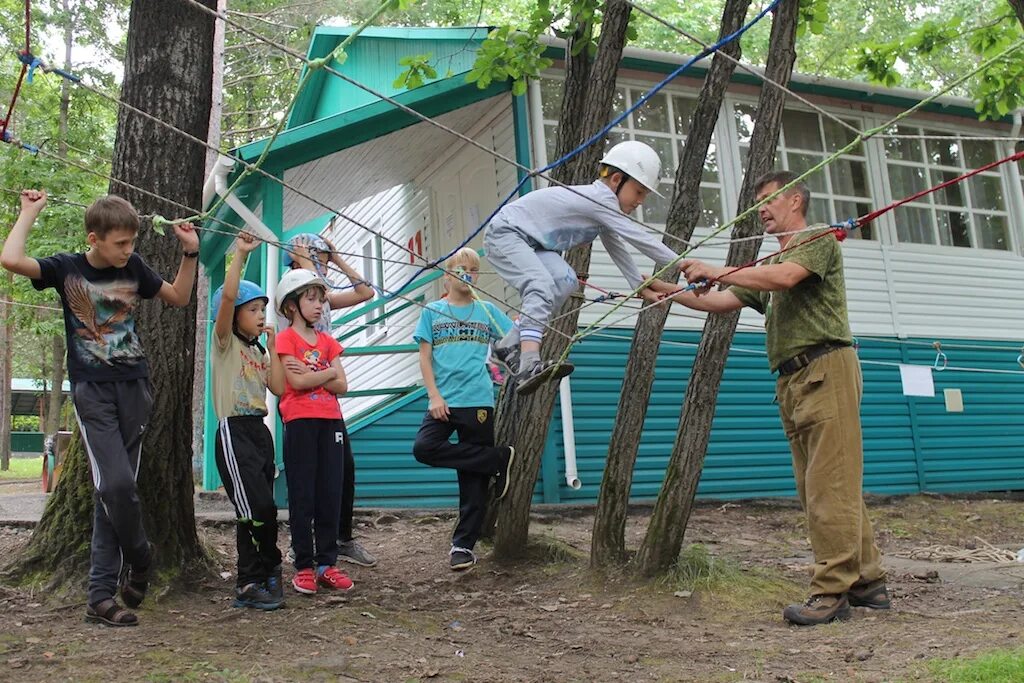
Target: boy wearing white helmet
(524, 239)
(314, 432)
(242, 372)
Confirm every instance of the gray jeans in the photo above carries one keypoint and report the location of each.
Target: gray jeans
(543, 279)
(113, 417)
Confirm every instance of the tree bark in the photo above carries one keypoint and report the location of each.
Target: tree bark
(608, 538)
(524, 422)
(168, 68)
(664, 538)
(1018, 8)
(6, 341)
(55, 399)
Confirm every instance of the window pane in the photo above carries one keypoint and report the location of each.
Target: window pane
(954, 228)
(663, 146)
(551, 97)
(849, 177)
(906, 180)
(992, 232)
(847, 210)
(979, 152)
(837, 137)
(655, 208)
(550, 138)
(613, 138)
(943, 152)
(653, 114)
(820, 211)
(800, 163)
(745, 116)
(619, 103)
(952, 195)
(711, 165)
(683, 109)
(903, 149)
(710, 208)
(801, 130)
(987, 192)
(914, 225)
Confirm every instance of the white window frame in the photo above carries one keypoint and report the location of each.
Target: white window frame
(371, 252)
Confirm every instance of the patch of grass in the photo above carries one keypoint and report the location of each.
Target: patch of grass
(728, 583)
(997, 666)
(23, 468)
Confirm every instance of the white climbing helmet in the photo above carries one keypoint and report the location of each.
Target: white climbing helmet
(293, 283)
(637, 160)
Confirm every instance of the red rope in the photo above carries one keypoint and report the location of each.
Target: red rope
(17, 88)
(863, 220)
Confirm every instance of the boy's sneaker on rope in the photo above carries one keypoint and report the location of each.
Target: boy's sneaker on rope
(461, 559)
(529, 380)
(334, 579)
(352, 551)
(501, 479)
(305, 581)
(255, 596)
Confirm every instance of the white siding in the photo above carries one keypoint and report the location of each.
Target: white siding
(398, 213)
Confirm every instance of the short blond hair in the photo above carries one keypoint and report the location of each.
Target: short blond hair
(466, 257)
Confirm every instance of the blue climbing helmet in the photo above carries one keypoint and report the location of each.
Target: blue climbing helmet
(247, 291)
(308, 240)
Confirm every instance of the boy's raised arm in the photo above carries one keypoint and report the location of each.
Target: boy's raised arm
(180, 292)
(13, 257)
(244, 245)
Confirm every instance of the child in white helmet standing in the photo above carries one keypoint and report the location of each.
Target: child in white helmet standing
(314, 432)
(242, 372)
(524, 239)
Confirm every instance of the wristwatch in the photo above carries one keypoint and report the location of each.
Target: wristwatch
(190, 254)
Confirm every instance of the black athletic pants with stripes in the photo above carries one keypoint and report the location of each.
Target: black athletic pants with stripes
(245, 460)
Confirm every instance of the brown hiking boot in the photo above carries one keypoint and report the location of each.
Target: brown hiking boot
(819, 609)
(873, 595)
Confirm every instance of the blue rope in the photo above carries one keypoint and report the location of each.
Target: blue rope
(599, 135)
(33, 62)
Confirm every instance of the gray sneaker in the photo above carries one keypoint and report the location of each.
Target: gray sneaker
(529, 380)
(351, 551)
(507, 357)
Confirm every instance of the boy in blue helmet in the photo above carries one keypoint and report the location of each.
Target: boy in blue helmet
(309, 251)
(242, 373)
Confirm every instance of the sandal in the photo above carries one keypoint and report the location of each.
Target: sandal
(136, 583)
(109, 613)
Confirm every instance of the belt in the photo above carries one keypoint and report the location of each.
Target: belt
(802, 360)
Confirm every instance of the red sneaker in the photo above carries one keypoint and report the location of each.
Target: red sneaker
(305, 582)
(333, 578)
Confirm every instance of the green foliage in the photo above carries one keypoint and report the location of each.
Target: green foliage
(949, 43)
(997, 666)
(417, 71)
(813, 17)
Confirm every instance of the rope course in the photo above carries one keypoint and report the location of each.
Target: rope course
(30, 63)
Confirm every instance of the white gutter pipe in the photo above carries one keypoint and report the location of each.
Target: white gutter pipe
(219, 178)
(536, 116)
(568, 435)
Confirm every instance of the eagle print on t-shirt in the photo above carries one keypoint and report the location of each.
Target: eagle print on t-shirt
(101, 316)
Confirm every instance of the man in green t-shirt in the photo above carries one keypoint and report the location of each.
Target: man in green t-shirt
(802, 295)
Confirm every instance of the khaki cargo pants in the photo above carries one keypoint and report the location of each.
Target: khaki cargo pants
(820, 409)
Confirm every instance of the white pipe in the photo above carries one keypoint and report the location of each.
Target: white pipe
(568, 435)
(536, 116)
(1015, 130)
(258, 228)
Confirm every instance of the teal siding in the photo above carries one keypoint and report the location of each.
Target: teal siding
(910, 444)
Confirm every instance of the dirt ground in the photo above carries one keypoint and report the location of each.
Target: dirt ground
(550, 618)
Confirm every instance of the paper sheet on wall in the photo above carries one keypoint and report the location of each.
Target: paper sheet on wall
(917, 380)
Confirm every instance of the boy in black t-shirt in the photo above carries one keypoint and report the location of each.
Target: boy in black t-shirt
(110, 386)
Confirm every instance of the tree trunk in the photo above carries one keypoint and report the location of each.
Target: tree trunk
(1018, 8)
(202, 280)
(608, 539)
(168, 68)
(524, 422)
(56, 381)
(6, 342)
(664, 538)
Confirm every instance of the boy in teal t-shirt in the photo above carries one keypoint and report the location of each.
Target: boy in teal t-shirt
(454, 335)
